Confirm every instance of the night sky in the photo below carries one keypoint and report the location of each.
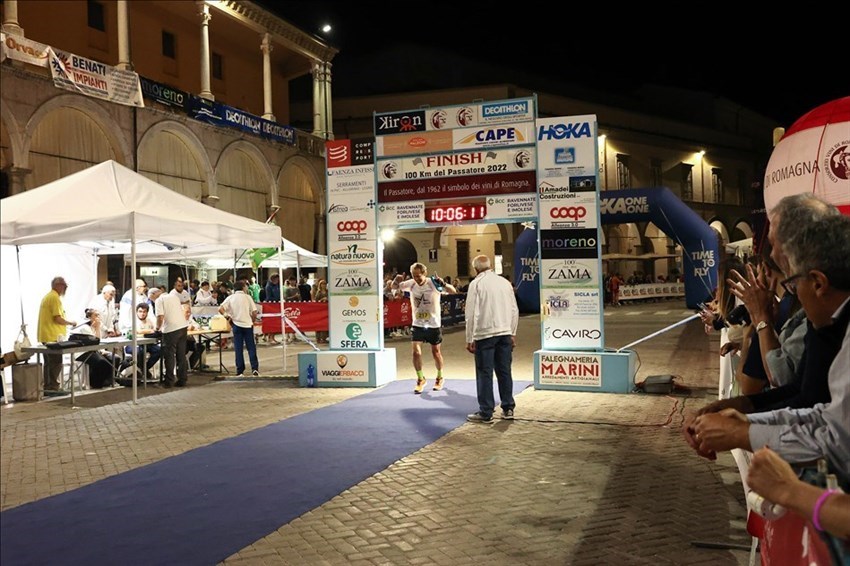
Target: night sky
(750, 64)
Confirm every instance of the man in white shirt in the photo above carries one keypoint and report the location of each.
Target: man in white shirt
(425, 301)
(125, 310)
(492, 317)
(242, 312)
(104, 303)
(173, 320)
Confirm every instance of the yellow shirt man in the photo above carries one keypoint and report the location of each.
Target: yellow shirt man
(48, 329)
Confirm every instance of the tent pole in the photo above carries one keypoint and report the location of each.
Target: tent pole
(282, 303)
(133, 312)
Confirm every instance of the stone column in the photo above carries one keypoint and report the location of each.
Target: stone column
(321, 235)
(266, 47)
(17, 179)
(10, 18)
(123, 36)
(322, 114)
(205, 50)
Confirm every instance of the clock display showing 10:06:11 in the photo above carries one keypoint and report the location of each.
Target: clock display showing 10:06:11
(455, 212)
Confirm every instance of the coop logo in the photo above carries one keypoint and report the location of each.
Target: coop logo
(353, 255)
(568, 212)
(352, 282)
(351, 230)
(572, 334)
(563, 131)
(504, 109)
(353, 332)
(400, 122)
(837, 162)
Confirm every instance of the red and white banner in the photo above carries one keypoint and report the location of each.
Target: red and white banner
(95, 79)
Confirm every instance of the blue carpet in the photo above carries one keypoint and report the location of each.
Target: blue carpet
(202, 506)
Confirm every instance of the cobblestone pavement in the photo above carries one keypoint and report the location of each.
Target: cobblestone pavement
(577, 478)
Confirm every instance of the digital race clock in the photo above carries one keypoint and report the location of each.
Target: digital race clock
(457, 212)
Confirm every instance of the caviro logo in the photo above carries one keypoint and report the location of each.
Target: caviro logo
(563, 131)
(572, 334)
(353, 255)
(341, 361)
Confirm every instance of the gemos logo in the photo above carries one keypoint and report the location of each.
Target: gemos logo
(568, 212)
(353, 301)
(354, 332)
(563, 131)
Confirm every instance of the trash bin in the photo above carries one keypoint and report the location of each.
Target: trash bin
(27, 382)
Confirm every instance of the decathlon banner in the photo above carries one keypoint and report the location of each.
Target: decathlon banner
(95, 79)
(354, 256)
(570, 245)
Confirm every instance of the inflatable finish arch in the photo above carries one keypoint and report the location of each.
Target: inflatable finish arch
(661, 207)
(683, 225)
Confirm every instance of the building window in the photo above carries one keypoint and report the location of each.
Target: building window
(169, 45)
(656, 175)
(687, 182)
(217, 66)
(462, 247)
(624, 178)
(96, 16)
(717, 184)
(743, 186)
(497, 247)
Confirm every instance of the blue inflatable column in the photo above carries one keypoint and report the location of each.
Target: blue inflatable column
(526, 276)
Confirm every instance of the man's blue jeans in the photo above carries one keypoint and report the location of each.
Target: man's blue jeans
(495, 353)
(245, 336)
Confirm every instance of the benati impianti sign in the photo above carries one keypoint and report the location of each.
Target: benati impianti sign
(571, 369)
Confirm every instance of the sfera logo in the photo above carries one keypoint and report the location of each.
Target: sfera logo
(353, 332)
(504, 109)
(563, 131)
(568, 212)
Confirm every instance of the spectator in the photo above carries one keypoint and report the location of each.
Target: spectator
(240, 309)
(100, 367)
(125, 308)
(492, 317)
(173, 321)
(304, 289)
(104, 303)
(204, 297)
(52, 326)
(320, 294)
(272, 296)
(145, 327)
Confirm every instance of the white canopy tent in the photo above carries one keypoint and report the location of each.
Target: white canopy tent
(110, 208)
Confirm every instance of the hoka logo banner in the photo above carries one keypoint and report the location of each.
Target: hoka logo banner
(564, 131)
